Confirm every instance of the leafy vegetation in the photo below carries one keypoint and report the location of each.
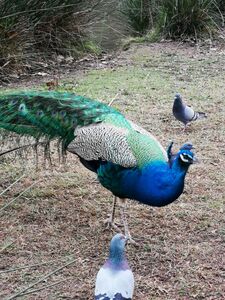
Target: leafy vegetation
(30, 30)
(175, 18)
(34, 33)
(138, 13)
(188, 17)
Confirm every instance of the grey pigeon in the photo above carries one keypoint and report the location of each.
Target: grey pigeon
(185, 113)
(115, 280)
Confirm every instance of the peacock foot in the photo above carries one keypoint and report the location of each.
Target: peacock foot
(131, 240)
(110, 224)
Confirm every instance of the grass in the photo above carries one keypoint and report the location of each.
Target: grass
(180, 19)
(182, 247)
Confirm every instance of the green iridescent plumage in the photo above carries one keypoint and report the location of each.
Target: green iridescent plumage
(61, 115)
(50, 114)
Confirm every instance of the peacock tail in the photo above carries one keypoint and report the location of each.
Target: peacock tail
(86, 127)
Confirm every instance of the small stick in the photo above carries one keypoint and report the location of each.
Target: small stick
(13, 200)
(113, 99)
(14, 149)
(33, 266)
(11, 185)
(6, 246)
(43, 287)
(40, 280)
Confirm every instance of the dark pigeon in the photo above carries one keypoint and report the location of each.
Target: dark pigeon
(184, 113)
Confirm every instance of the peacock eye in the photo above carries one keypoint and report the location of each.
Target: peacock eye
(62, 113)
(22, 107)
(13, 102)
(40, 113)
(186, 157)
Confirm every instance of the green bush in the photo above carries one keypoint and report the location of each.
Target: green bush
(139, 14)
(174, 18)
(32, 30)
(181, 18)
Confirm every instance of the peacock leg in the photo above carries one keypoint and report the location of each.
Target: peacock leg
(110, 221)
(124, 220)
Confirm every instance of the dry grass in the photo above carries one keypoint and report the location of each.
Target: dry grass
(181, 253)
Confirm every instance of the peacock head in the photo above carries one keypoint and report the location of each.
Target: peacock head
(186, 157)
(187, 146)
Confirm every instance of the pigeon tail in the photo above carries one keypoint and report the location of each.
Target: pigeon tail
(199, 115)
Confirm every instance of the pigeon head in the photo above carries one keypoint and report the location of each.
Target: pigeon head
(117, 247)
(177, 97)
(177, 104)
(187, 157)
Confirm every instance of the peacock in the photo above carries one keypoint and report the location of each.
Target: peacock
(128, 160)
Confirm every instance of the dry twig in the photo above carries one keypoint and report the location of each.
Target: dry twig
(14, 199)
(40, 280)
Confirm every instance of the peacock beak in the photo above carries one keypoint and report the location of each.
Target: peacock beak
(195, 160)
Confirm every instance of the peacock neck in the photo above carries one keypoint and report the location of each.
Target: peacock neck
(156, 184)
(179, 168)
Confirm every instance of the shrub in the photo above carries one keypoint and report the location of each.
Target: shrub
(139, 14)
(174, 18)
(32, 30)
(181, 18)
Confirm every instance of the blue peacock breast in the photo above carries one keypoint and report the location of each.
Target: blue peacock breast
(154, 184)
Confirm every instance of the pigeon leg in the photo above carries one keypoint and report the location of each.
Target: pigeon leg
(124, 220)
(110, 221)
(185, 127)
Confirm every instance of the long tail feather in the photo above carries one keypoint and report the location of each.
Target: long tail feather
(49, 114)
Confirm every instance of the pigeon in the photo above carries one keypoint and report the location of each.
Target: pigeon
(115, 280)
(185, 113)
(172, 156)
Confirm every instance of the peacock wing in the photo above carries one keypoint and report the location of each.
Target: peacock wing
(105, 142)
(122, 142)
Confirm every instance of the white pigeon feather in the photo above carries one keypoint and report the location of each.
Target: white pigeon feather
(111, 282)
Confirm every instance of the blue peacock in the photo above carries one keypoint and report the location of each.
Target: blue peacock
(127, 159)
